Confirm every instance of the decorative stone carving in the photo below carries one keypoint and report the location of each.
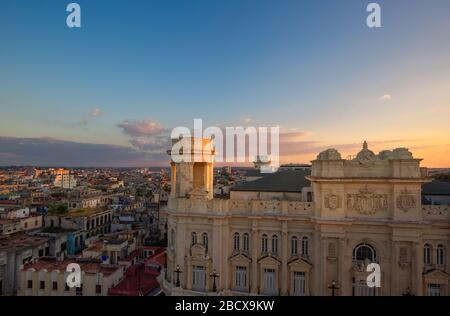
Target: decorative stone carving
(402, 153)
(366, 156)
(367, 202)
(329, 154)
(332, 201)
(406, 201)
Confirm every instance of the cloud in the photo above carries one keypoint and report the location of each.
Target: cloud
(386, 97)
(147, 135)
(54, 152)
(95, 112)
(142, 128)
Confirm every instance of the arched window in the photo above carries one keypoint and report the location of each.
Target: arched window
(427, 254)
(440, 255)
(246, 242)
(264, 243)
(236, 241)
(305, 246)
(294, 246)
(205, 240)
(275, 244)
(172, 237)
(193, 238)
(364, 252)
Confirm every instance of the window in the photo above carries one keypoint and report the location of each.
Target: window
(30, 284)
(246, 242)
(264, 243)
(55, 286)
(236, 241)
(299, 283)
(309, 196)
(205, 240)
(440, 255)
(79, 290)
(241, 278)
(25, 225)
(269, 282)
(364, 252)
(275, 244)
(98, 289)
(42, 285)
(193, 238)
(332, 250)
(294, 246)
(403, 255)
(198, 278)
(305, 246)
(427, 254)
(434, 290)
(41, 252)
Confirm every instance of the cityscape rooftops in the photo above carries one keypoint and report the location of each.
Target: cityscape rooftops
(90, 266)
(20, 240)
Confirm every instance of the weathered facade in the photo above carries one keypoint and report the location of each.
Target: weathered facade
(367, 209)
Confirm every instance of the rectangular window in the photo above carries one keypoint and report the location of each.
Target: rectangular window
(98, 289)
(79, 290)
(434, 290)
(42, 285)
(299, 283)
(241, 278)
(30, 284)
(55, 286)
(269, 282)
(198, 278)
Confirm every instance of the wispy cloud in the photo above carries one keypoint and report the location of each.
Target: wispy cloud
(386, 97)
(95, 112)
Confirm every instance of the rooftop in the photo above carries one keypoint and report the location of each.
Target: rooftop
(87, 266)
(281, 181)
(20, 240)
(436, 188)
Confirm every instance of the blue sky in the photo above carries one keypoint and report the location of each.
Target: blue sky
(312, 67)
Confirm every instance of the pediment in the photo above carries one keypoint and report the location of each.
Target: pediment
(198, 251)
(269, 260)
(240, 258)
(300, 263)
(436, 275)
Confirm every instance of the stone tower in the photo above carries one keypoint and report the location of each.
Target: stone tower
(192, 163)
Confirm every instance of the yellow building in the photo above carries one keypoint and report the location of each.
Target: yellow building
(299, 242)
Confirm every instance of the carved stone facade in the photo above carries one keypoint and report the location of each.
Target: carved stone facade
(365, 210)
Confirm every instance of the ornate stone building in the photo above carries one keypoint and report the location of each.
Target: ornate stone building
(362, 210)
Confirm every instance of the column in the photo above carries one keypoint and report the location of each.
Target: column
(254, 249)
(343, 274)
(418, 271)
(284, 259)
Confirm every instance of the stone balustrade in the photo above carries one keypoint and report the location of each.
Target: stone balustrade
(241, 207)
(436, 212)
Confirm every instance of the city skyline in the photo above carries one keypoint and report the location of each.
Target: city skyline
(108, 94)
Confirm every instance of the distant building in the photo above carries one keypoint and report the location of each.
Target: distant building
(15, 251)
(47, 277)
(64, 179)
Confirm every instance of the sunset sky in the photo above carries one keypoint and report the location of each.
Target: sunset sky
(109, 94)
